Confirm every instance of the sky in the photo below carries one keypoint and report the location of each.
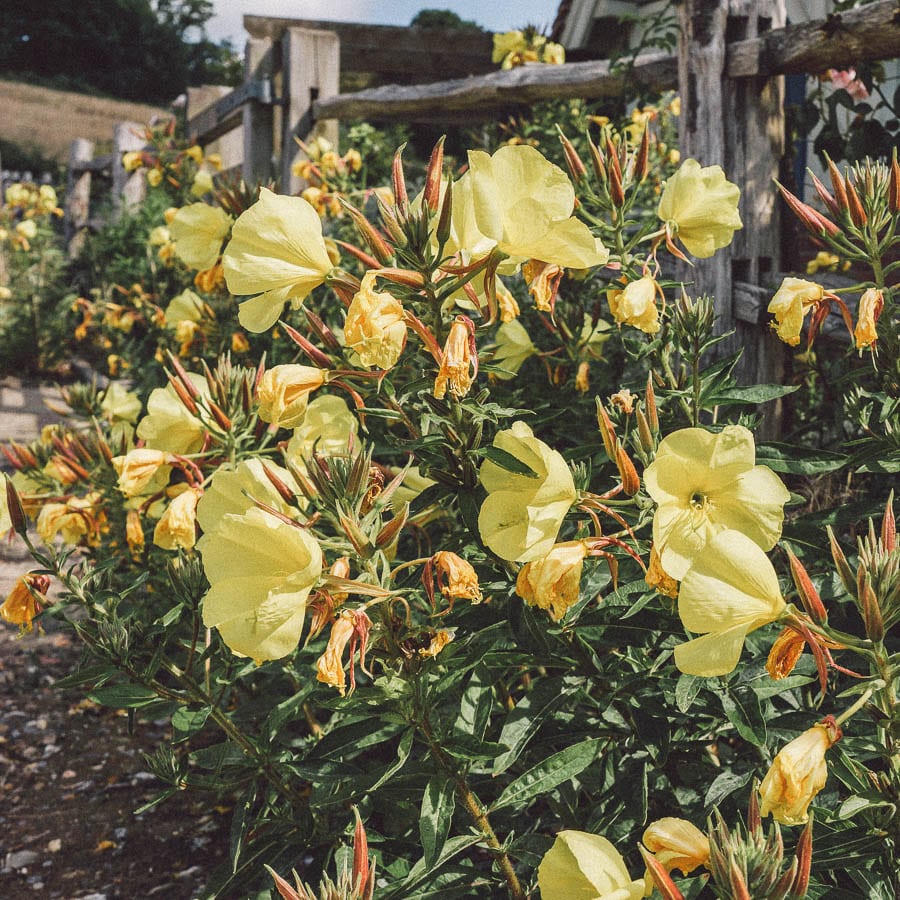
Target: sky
(494, 15)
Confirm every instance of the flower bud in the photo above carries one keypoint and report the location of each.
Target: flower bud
(677, 844)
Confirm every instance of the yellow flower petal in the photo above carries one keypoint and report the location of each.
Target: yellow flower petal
(582, 866)
(198, 231)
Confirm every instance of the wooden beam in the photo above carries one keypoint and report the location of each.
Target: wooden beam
(867, 33)
(484, 94)
(226, 114)
(419, 54)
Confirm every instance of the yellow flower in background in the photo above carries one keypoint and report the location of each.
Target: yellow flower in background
(554, 54)
(522, 514)
(119, 404)
(198, 231)
(507, 42)
(168, 425)
(132, 160)
(582, 866)
(186, 307)
(792, 301)
(27, 229)
(677, 844)
(635, 304)
(202, 183)
(134, 533)
(233, 489)
(77, 518)
(514, 346)
(798, 773)
(25, 600)
(729, 591)
(871, 305)
(823, 260)
(524, 203)
(554, 581)
(699, 206)
(195, 152)
(283, 393)
(375, 329)
(261, 571)
(326, 428)
(509, 307)
(177, 529)
(459, 362)
(139, 469)
(704, 483)
(276, 251)
(154, 177)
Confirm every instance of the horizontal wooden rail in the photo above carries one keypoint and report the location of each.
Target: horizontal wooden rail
(868, 33)
(98, 164)
(226, 114)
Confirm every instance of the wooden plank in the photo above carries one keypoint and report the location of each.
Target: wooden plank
(226, 114)
(310, 68)
(96, 165)
(864, 34)
(419, 54)
(481, 96)
(258, 118)
(78, 194)
(128, 188)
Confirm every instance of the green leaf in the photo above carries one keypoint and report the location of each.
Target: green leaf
(475, 704)
(796, 460)
(752, 394)
(560, 767)
(241, 821)
(437, 812)
(123, 696)
(403, 749)
(723, 786)
(744, 712)
(686, 691)
(859, 802)
(187, 722)
(529, 714)
(421, 872)
(507, 461)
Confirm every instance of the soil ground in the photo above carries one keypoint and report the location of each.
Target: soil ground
(71, 776)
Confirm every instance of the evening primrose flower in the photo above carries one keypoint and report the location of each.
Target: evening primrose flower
(554, 581)
(523, 203)
(635, 304)
(700, 206)
(283, 393)
(232, 490)
(185, 307)
(138, 469)
(704, 483)
(375, 328)
(327, 428)
(522, 514)
(277, 252)
(168, 425)
(514, 346)
(261, 571)
(456, 578)
(76, 518)
(792, 301)
(177, 529)
(25, 600)
(459, 362)
(677, 844)
(582, 866)
(729, 591)
(871, 305)
(798, 773)
(198, 231)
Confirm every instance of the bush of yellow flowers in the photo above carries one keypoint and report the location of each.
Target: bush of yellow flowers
(482, 563)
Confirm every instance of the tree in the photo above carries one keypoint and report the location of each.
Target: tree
(443, 18)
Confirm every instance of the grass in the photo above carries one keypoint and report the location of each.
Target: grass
(49, 120)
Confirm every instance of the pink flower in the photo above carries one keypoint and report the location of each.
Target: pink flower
(846, 79)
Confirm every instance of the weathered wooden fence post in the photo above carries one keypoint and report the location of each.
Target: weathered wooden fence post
(78, 194)
(311, 61)
(128, 188)
(259, 118)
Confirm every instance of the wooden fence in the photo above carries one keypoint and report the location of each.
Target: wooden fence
(731, 57)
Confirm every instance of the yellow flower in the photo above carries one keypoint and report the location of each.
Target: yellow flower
(195, 152)
(283, 393)
(134, 533)
(700, 206)
(132, 160)
(73, 520)
(25, 600)
(823, 260)
(233, 489)
(326, 428)
(514, 346)
(792, 301)
(276, 251)
(677, 844)
(154, 177)
(554, 54)
(459, 363)
(202, 183)
(553, 582)
(138, 469)
(168, 425)
(330, 665)
(523, 204)
(657, 579)
(704, 483)
(870, 306)
(729, 591)
(198, 231)
(177, 529)
(119, 404)
(509, 308)
(186, 307)
(261, 571)
(581, 866)
(797, 774)
(239, 342)
(456, 578)
(375, 328)
(27, 229)
(522, 514)
(438, 641)
(636, 304)
(543, 283)
(507, 42)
